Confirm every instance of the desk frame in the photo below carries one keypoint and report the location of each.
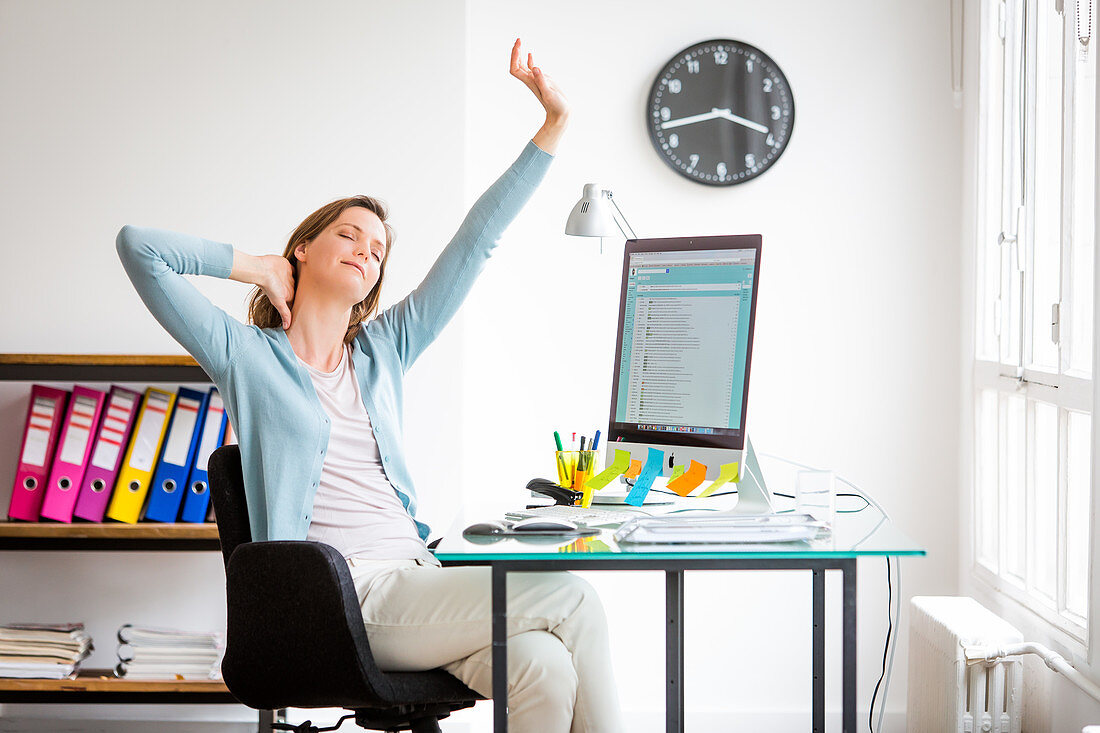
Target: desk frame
(674, 568)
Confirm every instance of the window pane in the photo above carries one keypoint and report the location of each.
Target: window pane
(1046, 196)
(1044, 517)
(1012, 183)
(1082, 232)
(990, 150)
(985, 513)
(1013, 549)
(1078, 465)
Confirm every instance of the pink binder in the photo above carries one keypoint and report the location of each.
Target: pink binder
(110, 444)
(74, 450)
(44, 415)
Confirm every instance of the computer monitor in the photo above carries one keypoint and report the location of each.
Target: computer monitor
(684, 347)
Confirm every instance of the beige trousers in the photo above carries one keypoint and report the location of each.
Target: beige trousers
(421, 616)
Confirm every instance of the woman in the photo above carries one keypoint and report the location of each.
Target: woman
(314, 391)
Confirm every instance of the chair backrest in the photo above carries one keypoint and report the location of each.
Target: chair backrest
(227, 493)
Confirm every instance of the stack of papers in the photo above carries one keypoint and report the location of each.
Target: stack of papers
(146, 653)
(719, 528)
(51, 651)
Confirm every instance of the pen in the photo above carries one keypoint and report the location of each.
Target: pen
(596, 440)
(557, 439)
(582, 442)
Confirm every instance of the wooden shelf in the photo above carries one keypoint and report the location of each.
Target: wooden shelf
(100, 368)
(109, 536)
(100, 685)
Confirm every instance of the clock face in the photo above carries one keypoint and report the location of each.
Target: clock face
(720, 112)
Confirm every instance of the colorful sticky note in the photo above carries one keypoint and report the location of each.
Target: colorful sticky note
(644, 481)
(585, 544)
(684, 484)
(586, 489)
(677, 472)
(727, 474)
(634, 470)
(602, 479)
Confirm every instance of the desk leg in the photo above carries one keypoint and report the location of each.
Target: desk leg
(674, 651)
(500, 649)
(267, 717)
(848, 570)
(819, 651)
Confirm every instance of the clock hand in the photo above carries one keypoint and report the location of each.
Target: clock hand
(725, 113)
(693, 119)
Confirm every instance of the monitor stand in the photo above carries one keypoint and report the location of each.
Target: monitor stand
(753, 495)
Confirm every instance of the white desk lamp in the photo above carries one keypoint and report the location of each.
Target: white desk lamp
(594, 216)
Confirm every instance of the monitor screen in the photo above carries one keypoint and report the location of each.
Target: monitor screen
(686, 313)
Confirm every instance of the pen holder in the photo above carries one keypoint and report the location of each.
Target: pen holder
(575, 466)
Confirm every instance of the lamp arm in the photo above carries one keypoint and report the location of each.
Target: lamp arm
(629, 228)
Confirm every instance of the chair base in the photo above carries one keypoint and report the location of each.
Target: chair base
(413, 718)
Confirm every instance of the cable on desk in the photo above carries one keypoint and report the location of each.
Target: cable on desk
(866, 503)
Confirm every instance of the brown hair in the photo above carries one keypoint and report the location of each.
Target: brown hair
(263, 314)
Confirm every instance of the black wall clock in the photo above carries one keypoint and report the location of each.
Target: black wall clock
(720, 112)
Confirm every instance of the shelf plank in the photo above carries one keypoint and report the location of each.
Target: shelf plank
(101, 368)
(98, 360)
(143, 536)
(119, 531)
(103, 680)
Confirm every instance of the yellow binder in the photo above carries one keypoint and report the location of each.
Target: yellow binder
(141, 456)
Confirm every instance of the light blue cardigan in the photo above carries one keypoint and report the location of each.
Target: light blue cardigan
(282, 429)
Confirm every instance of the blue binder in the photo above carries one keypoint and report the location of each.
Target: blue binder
(176, 456)
(197, 497)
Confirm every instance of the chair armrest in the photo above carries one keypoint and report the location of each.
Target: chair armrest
(295, 635)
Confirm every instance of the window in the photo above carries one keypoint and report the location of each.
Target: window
(1033, 345)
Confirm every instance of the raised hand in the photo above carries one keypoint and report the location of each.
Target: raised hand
(277, 282)
(544, 89)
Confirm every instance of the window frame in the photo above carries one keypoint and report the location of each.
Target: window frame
(990, 370)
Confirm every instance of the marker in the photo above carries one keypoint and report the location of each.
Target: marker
(596, 440)
(582, 442)
(557, 439)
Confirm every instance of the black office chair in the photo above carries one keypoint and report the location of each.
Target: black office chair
(295, 635)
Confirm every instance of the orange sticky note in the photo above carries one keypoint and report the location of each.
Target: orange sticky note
(634, 470)
(685, 483)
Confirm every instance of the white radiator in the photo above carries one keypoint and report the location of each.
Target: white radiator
(946, 695)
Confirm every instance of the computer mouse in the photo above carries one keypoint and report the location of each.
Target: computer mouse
(482, 529)
(544, 524)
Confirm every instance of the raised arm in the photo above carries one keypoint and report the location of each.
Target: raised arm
(417, 320)
(155, 260)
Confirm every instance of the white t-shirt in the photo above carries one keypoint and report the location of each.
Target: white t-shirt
(356, 509)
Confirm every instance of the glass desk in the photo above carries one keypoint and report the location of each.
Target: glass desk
(858, 531)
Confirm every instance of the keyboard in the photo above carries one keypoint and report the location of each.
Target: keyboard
(592, 516)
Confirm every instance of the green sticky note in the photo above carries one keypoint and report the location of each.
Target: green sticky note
(677, 471)
(617, 467)
(727, 474)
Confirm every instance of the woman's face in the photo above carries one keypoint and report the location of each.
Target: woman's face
(345, 259)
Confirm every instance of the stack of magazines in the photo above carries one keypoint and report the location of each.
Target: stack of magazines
(146, 653)
(52, 651)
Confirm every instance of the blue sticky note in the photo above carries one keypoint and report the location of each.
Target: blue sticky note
(644, 481)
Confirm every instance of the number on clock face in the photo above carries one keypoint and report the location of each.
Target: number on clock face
(720, 112)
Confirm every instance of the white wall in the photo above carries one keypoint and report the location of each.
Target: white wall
(235, 122)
